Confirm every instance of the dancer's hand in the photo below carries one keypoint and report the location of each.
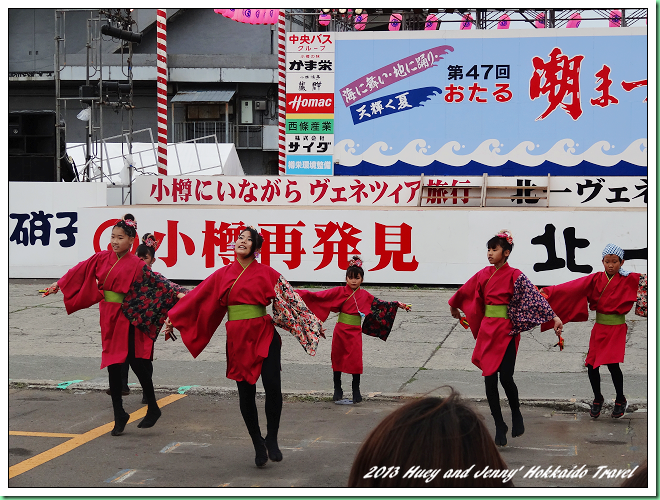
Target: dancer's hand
(559, 326)
(455, 312)
(322, 332)
(168, 328)
(180, 295)
(403, 306)
(54, 288)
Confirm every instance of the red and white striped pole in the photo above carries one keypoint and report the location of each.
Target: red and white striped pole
(161, 88)
(281, 69)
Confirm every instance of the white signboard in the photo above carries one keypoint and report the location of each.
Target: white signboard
(309, 143)
(303, 43)
(301, 83)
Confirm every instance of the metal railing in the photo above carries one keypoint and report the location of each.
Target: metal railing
(243, 136)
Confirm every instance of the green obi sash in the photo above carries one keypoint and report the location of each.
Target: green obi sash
(610, 319)
(496, 311)
(349, 319)
(245, 311)
(111, 296)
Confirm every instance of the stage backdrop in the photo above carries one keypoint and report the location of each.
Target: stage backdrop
(504, 102)
(53, 226)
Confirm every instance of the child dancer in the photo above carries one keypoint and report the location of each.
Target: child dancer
(353, 304)
(147, 252)
(107, 278)
(611, 294)
(500, 303)
(243, 289)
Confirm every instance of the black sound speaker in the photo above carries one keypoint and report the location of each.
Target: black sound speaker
(32, 168)
(31, 146)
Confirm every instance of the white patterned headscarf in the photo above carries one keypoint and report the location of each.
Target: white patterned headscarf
(612, 249)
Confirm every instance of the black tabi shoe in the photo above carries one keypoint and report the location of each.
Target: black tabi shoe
(274, 452)
(120, 424)
(261, 453)
(518, 427)
(338, 395)
(500, 434)
(596, 407)
(150, 418)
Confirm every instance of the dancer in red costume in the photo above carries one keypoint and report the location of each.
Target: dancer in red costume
(500, 302)
(611, 294)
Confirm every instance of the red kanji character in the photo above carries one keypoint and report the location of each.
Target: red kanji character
(322, 185)
(628, 86)
(562, 78)
(382, 192)
(435, 195)
(290, 191)
(395, 193)
(605, 99)
(277, 241)
(221, 193)
(358, 191)
(414, 186)
(172, 243)
(473, 94)
(502, 94)
(399, 237)
(248, 197)
(271, 189)
(223, 237)
(339, 191)
(182, 187)
(454, 91)
(199, 188)
(160, 187)
(343, 249)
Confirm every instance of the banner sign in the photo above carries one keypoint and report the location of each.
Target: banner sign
(591, 192)
(502, 102)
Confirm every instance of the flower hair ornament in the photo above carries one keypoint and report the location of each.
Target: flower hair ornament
(506, 235)
(128, 222)
(355, 262)
(150, 242)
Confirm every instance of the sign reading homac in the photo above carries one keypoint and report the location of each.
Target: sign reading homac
(310, 103)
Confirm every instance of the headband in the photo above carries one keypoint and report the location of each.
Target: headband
(128, 222)
(612, 249)
(506, 235)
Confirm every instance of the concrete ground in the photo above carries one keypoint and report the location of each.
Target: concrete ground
(427, 349)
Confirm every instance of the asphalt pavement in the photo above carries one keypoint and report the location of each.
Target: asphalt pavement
(54, 363)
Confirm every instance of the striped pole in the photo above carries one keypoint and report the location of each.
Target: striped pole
(281, 68)
(161, 88)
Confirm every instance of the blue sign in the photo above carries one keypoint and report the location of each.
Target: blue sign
(320, 165)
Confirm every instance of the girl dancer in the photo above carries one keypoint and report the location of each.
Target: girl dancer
(353, 304)
(243, 289)
(106, 278)
(500, 303)
(611, 294)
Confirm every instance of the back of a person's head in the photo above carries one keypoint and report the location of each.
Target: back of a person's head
(640, 479)
(426, 435)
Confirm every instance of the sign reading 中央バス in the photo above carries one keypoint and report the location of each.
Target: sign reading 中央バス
(310, 103)
(488, 101)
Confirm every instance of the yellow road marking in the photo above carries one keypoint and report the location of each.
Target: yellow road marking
(81, 439)
(349, 411)
(43, 434)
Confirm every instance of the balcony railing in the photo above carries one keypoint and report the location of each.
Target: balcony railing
(243, 136)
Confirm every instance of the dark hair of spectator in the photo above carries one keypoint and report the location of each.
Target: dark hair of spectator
(432, 433)
(257, 240)
(640, 479)
(130, 231)
(143, 249)
(354, 271)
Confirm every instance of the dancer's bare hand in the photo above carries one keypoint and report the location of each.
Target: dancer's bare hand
(455, 312)
(559, 326)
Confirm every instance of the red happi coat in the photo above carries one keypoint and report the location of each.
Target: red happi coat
(573, 300)
(82, 287)
(492, 334)
(200, 313)
(346, 353)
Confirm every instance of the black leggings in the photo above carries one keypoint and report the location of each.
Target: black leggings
(617, 379)
(143, 369)
(506, 369)
(271, 379)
